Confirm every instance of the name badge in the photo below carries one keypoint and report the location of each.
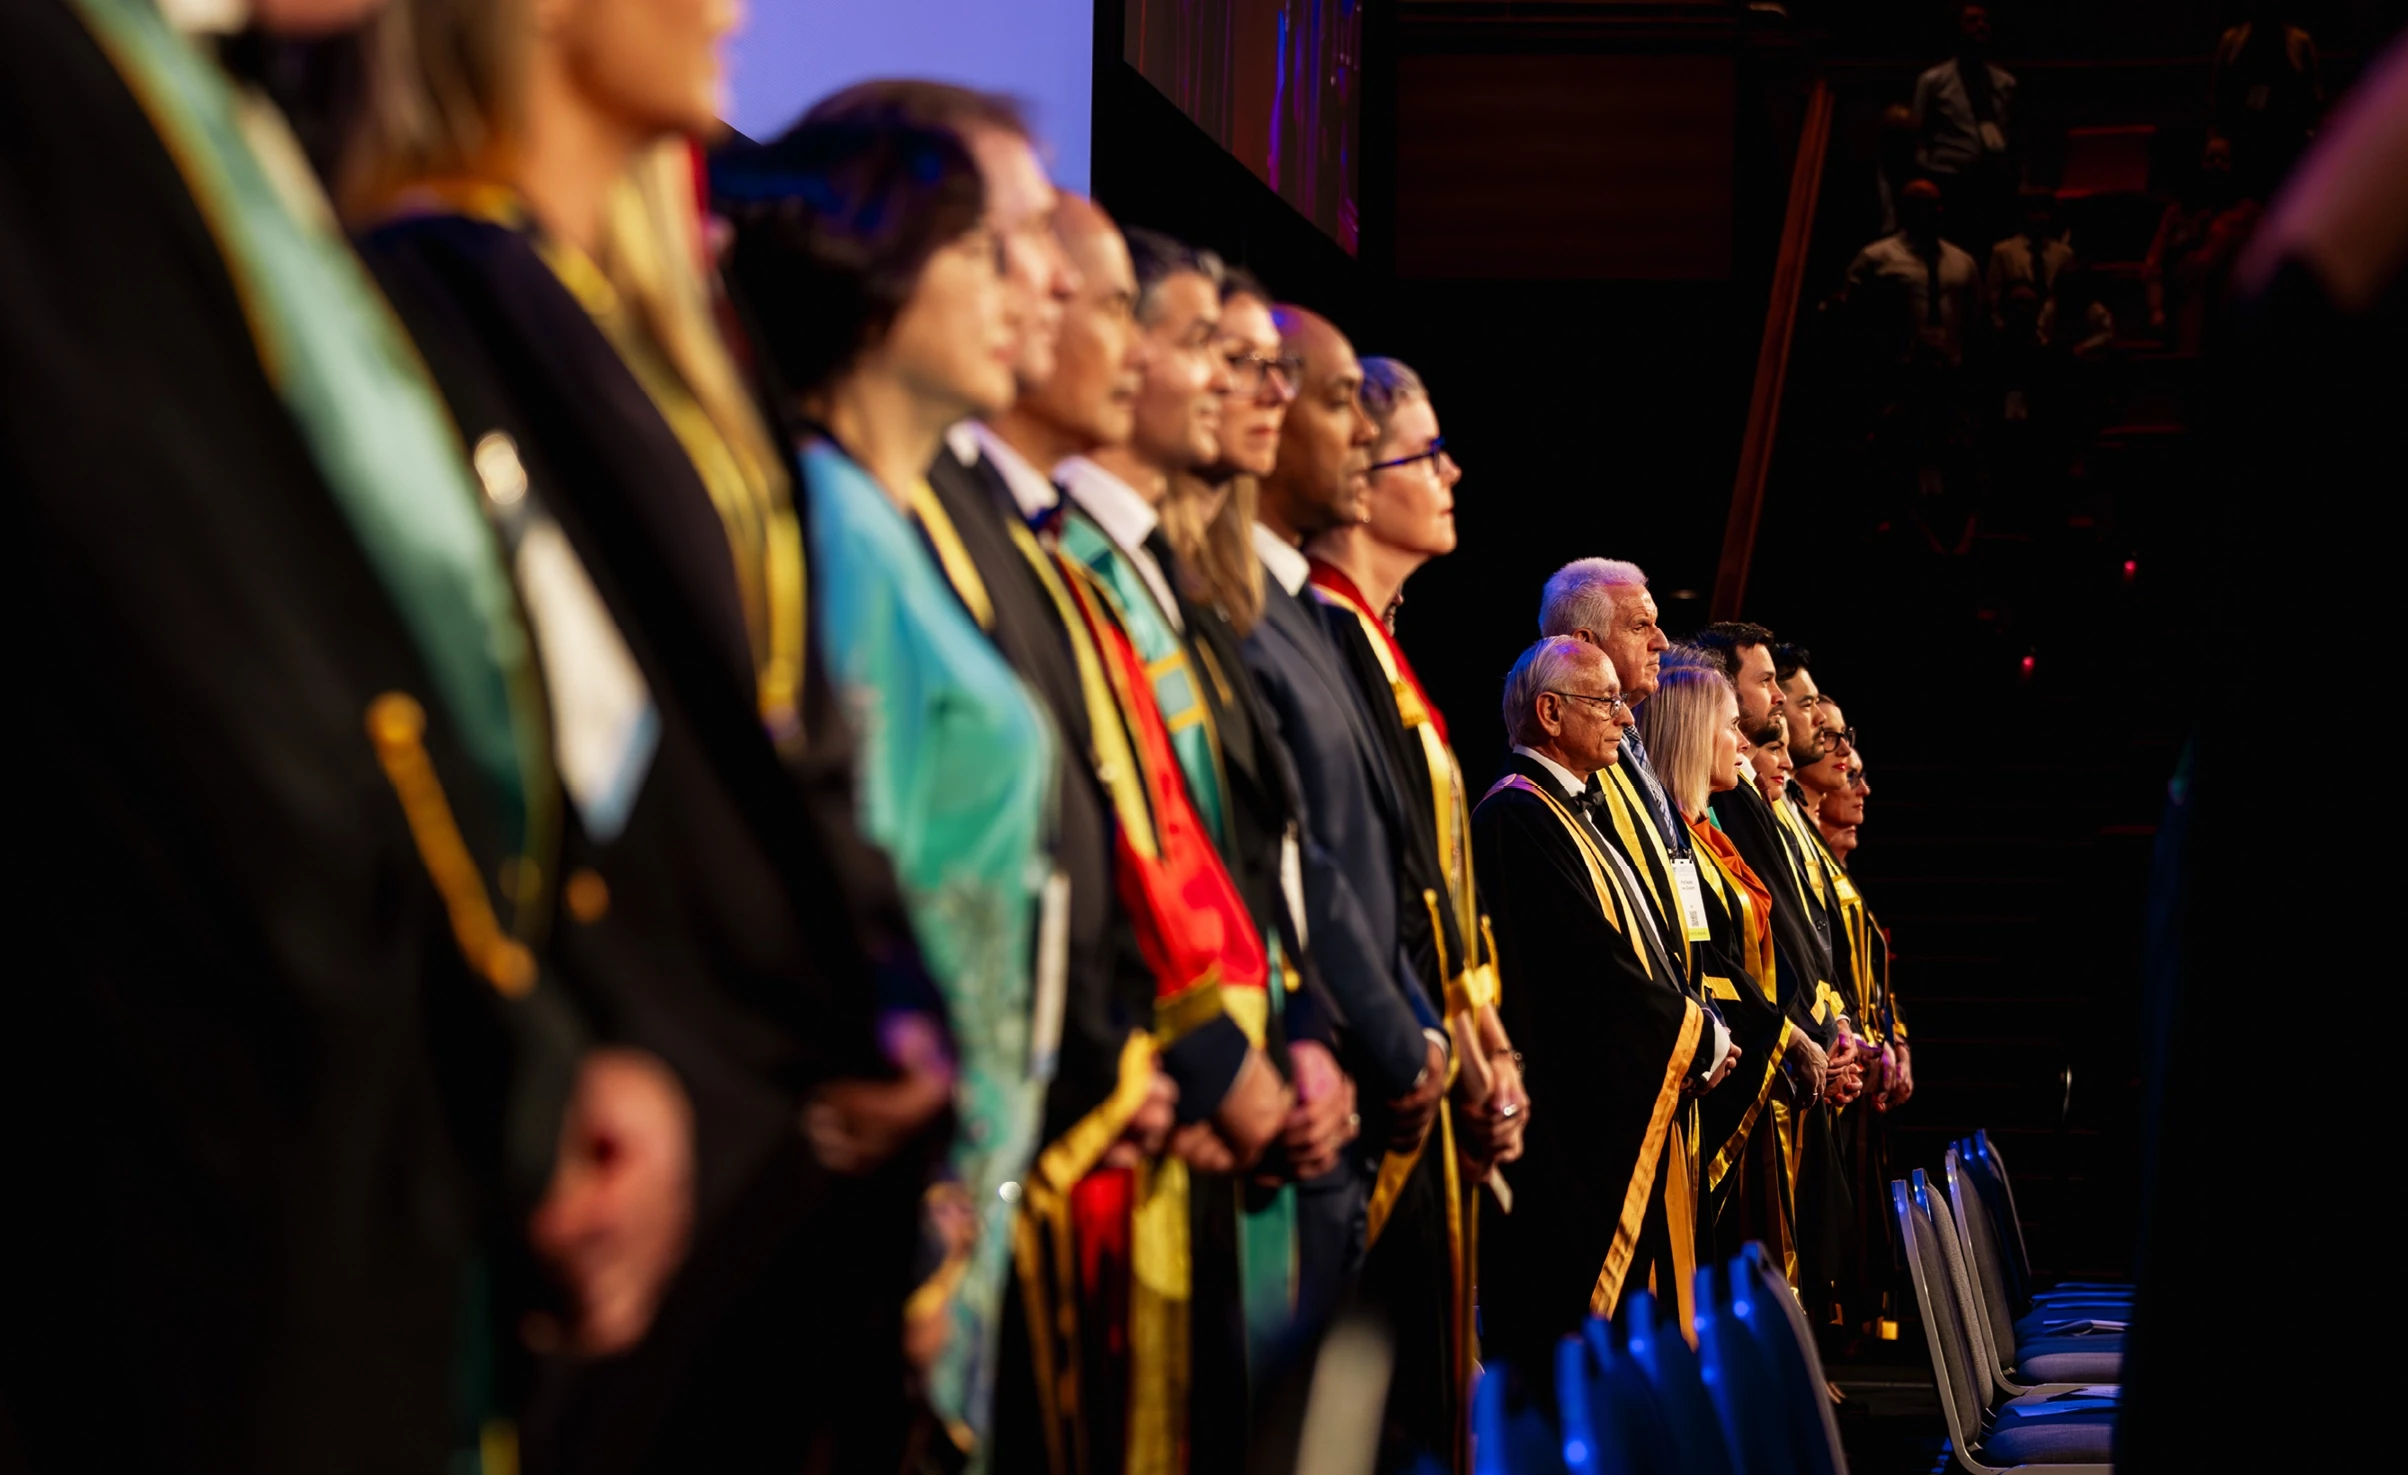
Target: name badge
(1053, 978)
(1693, 901)
(605, 728)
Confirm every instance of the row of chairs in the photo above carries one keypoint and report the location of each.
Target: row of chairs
(1632, 1397)
(2026, 1375)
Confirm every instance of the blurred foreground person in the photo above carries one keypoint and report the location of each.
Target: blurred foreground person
(733, 905)
(1692, 726)
(2311, 399)
(326, 1117)
(1614, 1040)
(1359, 573)
(864, 249)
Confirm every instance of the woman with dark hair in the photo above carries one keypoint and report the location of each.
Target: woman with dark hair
(528, 187)
(861, 251)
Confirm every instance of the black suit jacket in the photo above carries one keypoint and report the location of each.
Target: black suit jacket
(1348, 796)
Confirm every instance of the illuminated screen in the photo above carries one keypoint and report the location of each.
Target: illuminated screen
(1277, 83)
(789, 55)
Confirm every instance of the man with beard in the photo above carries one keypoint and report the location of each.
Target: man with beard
(1356, 887)
(1612, 1033)
(1804, 971)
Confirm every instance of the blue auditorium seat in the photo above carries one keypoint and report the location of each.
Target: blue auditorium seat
(1768, 1311)
(1989, 1171)
(1511, 1435)
(1671, 1366)
(2009, 1364)
(1739, 1384)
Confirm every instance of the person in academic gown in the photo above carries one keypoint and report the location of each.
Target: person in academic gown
(1611, 1039)
(1693, 742)
(302, 1060)
(1359, 573)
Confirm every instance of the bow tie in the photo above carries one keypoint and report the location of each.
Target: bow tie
(1591, 800)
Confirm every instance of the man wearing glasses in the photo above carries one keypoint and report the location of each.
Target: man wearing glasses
(1615, 1041)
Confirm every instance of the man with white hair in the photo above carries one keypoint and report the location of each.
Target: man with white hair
(1604, 602)
(1610, 1028)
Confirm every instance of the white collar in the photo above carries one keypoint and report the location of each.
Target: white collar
(1284, 560)
(1032, 489)
(1125, 517)
(1573, 787)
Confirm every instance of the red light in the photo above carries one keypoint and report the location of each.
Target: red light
(2131, 569)
(2028, 663)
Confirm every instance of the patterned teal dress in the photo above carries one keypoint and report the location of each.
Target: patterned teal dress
(954, 779)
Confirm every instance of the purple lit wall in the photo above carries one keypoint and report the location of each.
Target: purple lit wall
(791, 53)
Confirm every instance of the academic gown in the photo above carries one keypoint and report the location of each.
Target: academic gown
(1736, 968)
(1802, 945)
(759, 978)
(1433, 1292)
(279, 1135)
(1608, 1038)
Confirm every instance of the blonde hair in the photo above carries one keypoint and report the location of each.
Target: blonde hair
(1216, 552)
(1677, 724)
(444, 106)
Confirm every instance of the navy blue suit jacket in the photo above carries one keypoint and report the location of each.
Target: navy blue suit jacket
(1350, 886)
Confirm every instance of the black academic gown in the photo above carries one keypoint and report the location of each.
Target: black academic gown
(1808, 987)
(1609, 1038)
(734, 942)
(1733, 968)
(267, 1120)
(1411, 1271)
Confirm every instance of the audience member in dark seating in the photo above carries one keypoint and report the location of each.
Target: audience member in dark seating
(1962, 129)
(1912, 296)
(2200, 236)
(2266, 93)
(2029, 259)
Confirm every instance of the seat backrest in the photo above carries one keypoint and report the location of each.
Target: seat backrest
(1510, 1433)
(1670, 1366)
(1735, 1381)
(2002, 1187)
(1979, 1236)
(1951, 1369)
(1612, 1424)
(1987, 1365)
(1766, 1306)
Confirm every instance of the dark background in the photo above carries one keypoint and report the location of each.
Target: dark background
(1569, 216)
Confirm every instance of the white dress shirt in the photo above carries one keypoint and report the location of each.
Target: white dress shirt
(1032, 490)
(1283, 560)
(1574, 788)
(1126, 519)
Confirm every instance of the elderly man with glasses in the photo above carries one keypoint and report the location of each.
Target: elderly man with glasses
(1615, 1038)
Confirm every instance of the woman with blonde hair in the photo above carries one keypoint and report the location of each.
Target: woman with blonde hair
(523, 173)
(1691, 728)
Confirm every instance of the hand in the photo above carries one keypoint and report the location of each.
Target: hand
(1324, 1118)
(1148, 1133)
(1201, 1148)
(1415, 1110)
(1846, 1078)
(853, 1126)
(1250, 1116)
(613, 1225)
(1809, 1066)
(1722, 1072)
(1493, 1126)
(1905, 1089)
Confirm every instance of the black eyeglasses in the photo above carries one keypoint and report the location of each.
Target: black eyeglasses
(1841, 738)
(1612, 705)
(1249, 372)
(1437, 448)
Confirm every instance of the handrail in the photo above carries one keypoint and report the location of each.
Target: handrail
(1772, 356)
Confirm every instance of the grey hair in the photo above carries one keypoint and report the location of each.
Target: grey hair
(1542, 667)
(1388, 385)
(1580, 595)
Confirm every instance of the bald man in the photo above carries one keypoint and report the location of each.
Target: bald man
(1371, 936)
